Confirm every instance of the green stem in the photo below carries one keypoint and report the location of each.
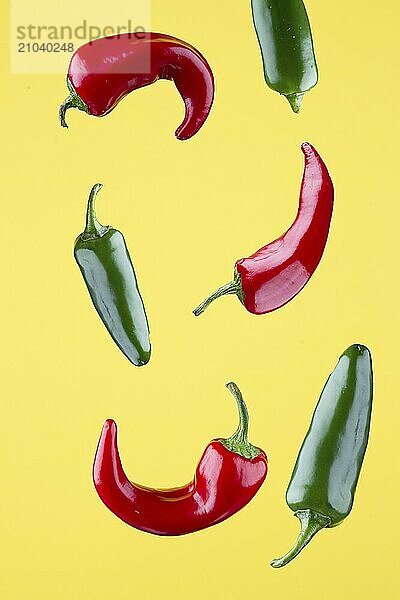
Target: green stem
(73, 101)
(93, 228)
(238, 442)
(233, 287)
(311, 523)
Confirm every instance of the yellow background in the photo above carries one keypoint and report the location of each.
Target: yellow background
(188, 211)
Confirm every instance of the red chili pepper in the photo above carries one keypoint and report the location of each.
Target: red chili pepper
(276, 273)
(227, 477)
(104, 71)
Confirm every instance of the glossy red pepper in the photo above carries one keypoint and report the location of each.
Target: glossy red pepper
(276, 273)
(229, 474)
(104, 71)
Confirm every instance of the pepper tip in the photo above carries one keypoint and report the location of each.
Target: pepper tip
(181, 136)
(109, 425)
(141, 362)
(295, 101)
(307, 149)
(359, 349)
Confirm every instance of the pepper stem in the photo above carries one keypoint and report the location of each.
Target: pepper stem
(311, 523)
(93, 228)
(295, 101)
(233, 287)
(238, 441)
(73, 101)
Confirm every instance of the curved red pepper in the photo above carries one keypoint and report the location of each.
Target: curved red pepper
(229, 474)
(276, 273)
(104, 71)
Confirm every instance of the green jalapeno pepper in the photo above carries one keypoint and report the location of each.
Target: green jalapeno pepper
(321, 490)
(105, 264)
(285, 39)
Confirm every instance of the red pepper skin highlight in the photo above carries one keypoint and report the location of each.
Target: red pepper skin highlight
(104, 71)
(224, 482)
(276, 273)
